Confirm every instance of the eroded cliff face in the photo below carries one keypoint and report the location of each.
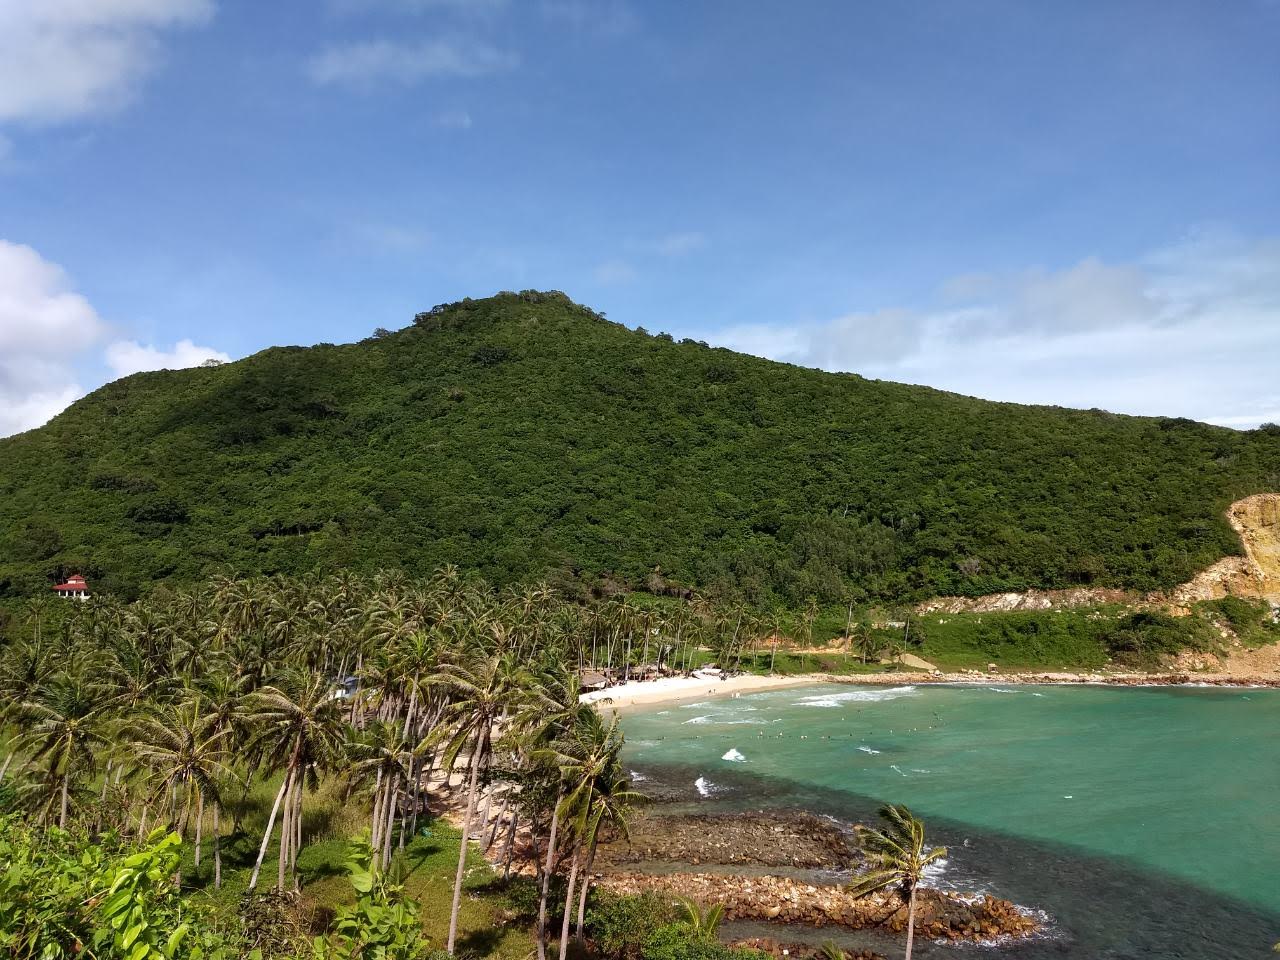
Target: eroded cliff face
(1256, 575)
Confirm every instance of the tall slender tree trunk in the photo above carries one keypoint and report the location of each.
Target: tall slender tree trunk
(286, 830)
(511, 845)
(7, 760)
(568, 899)
(66, 789)
(375, 819)
(217, 848)
(393, 789)
(586, 887)
(911, 920)
(266, 837)
(546, 881)
(462, 845)
(199, 828)
(497, 821)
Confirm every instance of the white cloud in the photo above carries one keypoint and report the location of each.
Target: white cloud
(612, 18)
(39, 313)
(1191, 330)
(61, 59)
(47, 329)
(679, 244)
(613, 272)
(454, 119)
(127, 356)
(364, 64)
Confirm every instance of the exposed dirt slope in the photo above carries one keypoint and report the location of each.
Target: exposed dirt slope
(1256, 575)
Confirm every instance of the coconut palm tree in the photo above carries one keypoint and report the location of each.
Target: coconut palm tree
(183, 752)
(702, 922)
(896, 856)
(66, 725)
(300, 727)
(611, 806)
(481, 691)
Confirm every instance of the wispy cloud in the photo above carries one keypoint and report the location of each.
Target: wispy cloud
(680, 244)
(371, 62)
(614, 273)
(454, 120)
(1192, 329)
(63, 59)
(604, 17)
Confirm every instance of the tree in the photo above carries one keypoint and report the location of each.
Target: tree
(482, 690)
(896, 855)
(67, 725)
(300, 728)
(702, 922)
(182, 751)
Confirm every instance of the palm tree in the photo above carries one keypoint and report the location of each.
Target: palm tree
(702, 923)
(183, 750)
(610, 809)
(300, 729)
(588, 760)
(66, 722)
(896, 856)
(482, 691)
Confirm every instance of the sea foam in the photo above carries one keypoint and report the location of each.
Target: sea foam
(855, 696)
(735, 756)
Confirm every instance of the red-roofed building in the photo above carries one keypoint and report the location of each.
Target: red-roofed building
(75, 587)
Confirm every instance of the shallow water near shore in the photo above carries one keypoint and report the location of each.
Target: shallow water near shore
(1144, 821)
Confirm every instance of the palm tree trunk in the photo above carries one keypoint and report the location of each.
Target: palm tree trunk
(497, 821)
(546, 881)
(266, 837)
(462, 844)
(375, 820)
(393, 789)
(286, 831)
(586, 887)
(911, 920)
(296, 848)
(217, 849)
(7, 760)
(199, 827)
(66, 788)
(511, 845)
(568, 899)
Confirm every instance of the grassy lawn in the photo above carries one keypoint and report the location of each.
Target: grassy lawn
(431, 857)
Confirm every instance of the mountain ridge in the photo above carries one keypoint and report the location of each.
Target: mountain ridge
(525, 436)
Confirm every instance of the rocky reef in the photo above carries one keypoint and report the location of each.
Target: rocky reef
(940, 915)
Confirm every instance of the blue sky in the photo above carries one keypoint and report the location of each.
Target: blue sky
(1059, 202)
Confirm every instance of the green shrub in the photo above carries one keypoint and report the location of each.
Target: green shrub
(62, 896)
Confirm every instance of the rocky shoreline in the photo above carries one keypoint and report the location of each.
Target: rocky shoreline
(765, 867)
(785, 839)
(940, 915)
(899, 677)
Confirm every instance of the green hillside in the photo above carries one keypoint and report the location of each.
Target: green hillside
(526, 436)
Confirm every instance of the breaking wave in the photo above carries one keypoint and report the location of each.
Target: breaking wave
(735, 756)
(855, 696)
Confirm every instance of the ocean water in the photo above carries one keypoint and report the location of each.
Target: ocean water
(1145, 822)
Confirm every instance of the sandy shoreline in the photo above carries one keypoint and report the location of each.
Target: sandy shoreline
(639, 693)
(674, 690)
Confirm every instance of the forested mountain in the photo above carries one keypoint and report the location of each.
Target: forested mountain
(525, 436)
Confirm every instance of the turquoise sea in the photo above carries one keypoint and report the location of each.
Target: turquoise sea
(1145, 822)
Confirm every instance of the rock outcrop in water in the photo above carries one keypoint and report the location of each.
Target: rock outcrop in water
(784, 839)
(939, 915)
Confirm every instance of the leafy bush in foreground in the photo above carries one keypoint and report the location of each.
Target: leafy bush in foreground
(63, 896)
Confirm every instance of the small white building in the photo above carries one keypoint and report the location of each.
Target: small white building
(75, 588)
